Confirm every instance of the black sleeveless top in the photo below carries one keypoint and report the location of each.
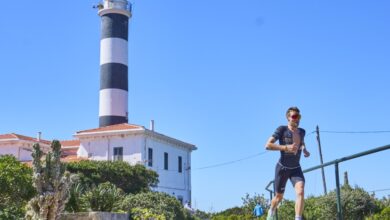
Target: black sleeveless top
(285, 137)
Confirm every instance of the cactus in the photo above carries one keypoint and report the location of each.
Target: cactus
(51, 182)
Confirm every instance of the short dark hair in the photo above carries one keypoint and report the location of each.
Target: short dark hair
(292, 109)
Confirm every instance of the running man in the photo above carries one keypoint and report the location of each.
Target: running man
(291, 144)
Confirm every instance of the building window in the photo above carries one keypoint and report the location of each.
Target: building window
(118, 153)
(150, 157)
(180, 167)
(180, 198)
(165, 161)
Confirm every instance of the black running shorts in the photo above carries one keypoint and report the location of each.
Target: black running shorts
(282, 174)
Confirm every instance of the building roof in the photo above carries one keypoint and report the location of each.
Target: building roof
(117, 127)
(70, 143)
(72, 158)
(125, 128)
(16, 137)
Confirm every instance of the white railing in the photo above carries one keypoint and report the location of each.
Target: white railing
(117, 4)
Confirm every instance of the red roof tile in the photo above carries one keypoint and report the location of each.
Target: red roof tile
(117, 127)
(70, 143)
(67, 152)
(72, 158)
(22, 137)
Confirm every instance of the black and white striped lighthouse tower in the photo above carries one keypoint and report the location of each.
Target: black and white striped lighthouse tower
(113, 97)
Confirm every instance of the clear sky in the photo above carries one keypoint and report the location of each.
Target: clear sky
(217, 74)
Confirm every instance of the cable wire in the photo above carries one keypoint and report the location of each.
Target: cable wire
(312, 132)
(354, 132)
(379, 190)
(231, 162)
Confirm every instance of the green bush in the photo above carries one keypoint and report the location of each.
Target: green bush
(131, 179)
(16, 187)
(145, 214)
(75, 204)
(106, 197)
(156, 203)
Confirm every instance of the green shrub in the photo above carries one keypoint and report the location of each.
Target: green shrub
(156, 203)
(16, 187)
(106, 197)
(131, 179)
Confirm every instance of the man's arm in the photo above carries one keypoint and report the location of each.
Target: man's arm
(306, 153)
(270, 145)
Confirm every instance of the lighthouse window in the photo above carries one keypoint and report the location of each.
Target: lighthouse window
(118, 153)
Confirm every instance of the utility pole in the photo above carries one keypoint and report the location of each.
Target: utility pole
(322, 162)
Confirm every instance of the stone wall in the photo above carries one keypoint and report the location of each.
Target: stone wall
(95, 216)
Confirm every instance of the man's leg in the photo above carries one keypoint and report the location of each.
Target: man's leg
(281, 178)
(276, 200)
(274, 204)
(300, 196)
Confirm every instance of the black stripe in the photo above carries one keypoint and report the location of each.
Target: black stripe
(113, 76)
(111, 120)
(115, 25)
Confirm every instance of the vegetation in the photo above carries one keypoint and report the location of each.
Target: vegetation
(105, 197)
(245, 211)
(102, 185)
(119, 187)
(16, 187)
(51, 182)
(357, 205)
(160, 205)
(131, 179)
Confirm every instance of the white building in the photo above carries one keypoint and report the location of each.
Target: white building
(169, 157)
(20, 146)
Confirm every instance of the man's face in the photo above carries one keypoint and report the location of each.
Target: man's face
(293, 118)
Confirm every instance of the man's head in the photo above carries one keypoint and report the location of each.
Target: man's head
(293, 116)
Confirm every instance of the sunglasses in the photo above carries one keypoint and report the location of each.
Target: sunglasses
(296, 116)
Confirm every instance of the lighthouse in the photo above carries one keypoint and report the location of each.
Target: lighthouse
(113, 94)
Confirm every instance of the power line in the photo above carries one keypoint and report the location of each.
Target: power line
(379, 190)
(310, 133)
(231, 162)
(355, 132)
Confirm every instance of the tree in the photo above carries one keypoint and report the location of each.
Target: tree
(356, 204)
(51, 182)
(16, 187)
(250, 202)
(131, 179)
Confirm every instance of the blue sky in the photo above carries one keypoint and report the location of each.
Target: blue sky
(217, 74)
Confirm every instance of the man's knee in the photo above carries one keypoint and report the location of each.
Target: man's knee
(279, 197)
(300, 192)
(299, 189)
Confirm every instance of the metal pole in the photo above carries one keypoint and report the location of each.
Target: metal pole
(339, 208)
(322, 162)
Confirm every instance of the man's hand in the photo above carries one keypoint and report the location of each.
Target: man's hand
(306, 153)
(292, 148)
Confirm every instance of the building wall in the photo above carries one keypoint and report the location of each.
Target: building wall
(171, 180)
(135, 151)
(9, 149)
(21, 150)
(102, 148)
